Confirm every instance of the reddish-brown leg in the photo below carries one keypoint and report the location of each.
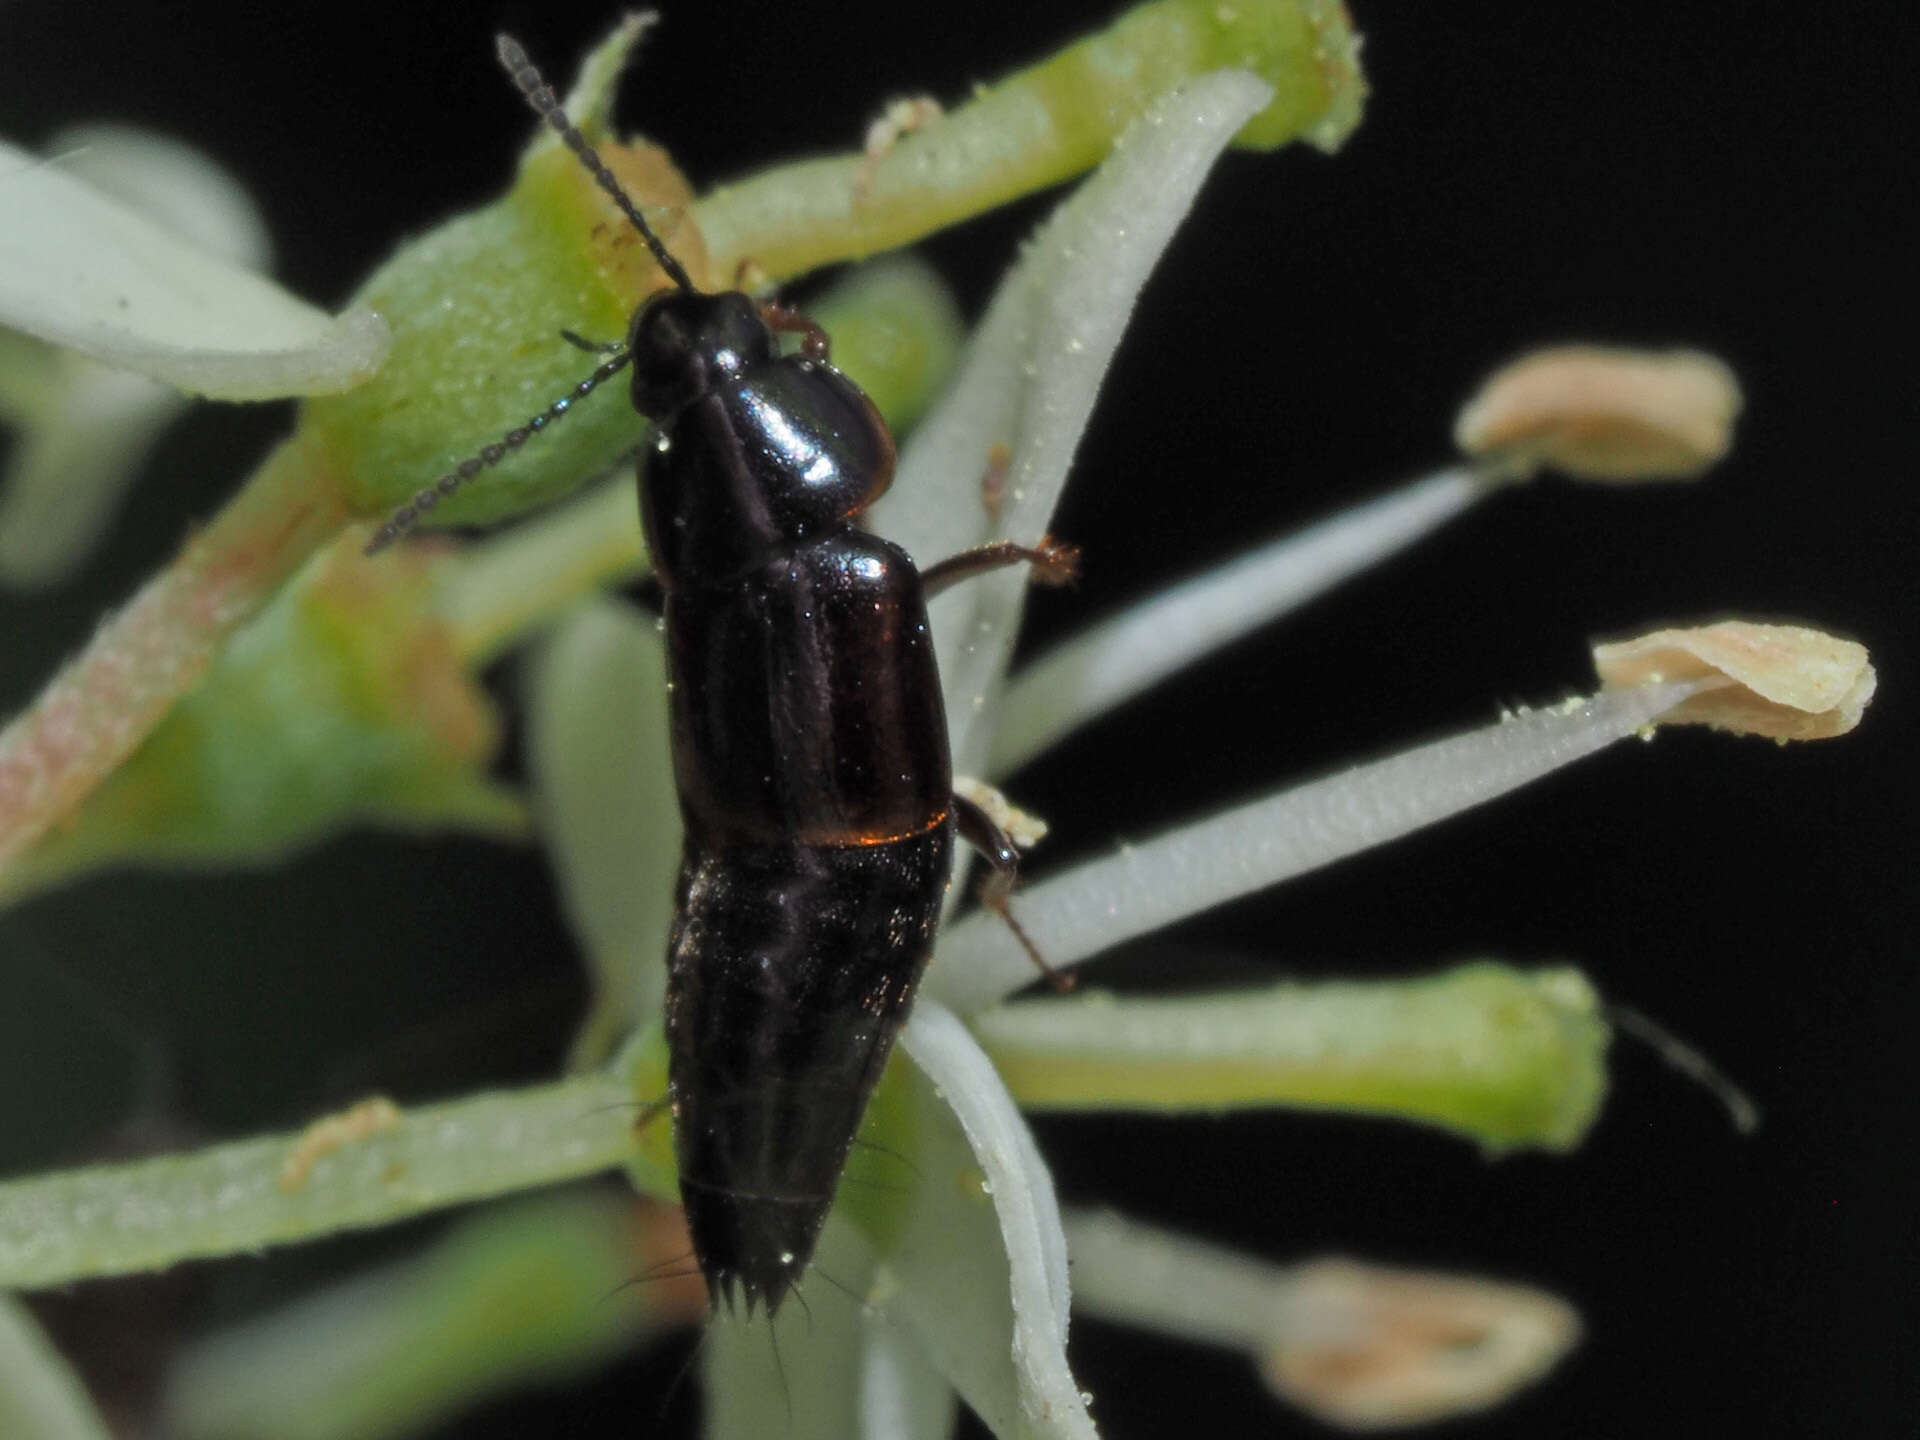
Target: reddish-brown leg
(1003, 861)
(813, 340)
(1054, 562)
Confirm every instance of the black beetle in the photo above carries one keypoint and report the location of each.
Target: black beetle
(809, 746)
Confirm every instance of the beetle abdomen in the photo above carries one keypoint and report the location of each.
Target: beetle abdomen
(790, 971)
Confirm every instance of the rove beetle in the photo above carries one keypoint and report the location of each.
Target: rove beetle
(809, 745)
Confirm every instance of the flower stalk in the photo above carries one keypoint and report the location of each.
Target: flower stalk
(1044, 125)
(98, 709)
(1145, 886)
(1504, 1057)
(226, 1200)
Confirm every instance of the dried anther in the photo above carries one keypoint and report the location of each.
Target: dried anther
(1783, 681)
(1414, 1347)
(1598, 413)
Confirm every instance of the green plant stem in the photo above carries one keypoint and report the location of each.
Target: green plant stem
(119, 1219)
(99, 708)
(1039, 127)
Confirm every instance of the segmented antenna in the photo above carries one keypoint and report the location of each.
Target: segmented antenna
(408, 515)
(547, 106)
(526, 75)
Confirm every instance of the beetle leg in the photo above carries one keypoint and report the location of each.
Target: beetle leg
(813, 342)
(1055, 562)
(1003, 860)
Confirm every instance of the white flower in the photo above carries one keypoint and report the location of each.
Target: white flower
(129, 275)
(82, 270)
(960, 1295)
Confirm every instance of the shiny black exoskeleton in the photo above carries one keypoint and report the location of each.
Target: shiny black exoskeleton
(809, 747)
(810, 751)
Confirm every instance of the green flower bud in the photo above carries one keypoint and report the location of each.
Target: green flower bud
(476, 308)
(345, 701)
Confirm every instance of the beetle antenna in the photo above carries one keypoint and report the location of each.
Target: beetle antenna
(408, 515)
(547, 106)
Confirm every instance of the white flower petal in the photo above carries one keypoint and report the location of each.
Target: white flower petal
(590, 103)
(1034, 367)
(834, 1367)
(170, 183)
(85, 272)
(1138, 1274)
(953, 1300)
(40, 1397)
(1198, 866)
(799, 1376)
(609, 816)
(72, 462)
(1113, 661)
(902, 1397)
(82, 442)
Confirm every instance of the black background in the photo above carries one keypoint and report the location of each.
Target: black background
(1732, 176)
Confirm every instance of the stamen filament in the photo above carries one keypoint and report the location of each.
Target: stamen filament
(1198, 866)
